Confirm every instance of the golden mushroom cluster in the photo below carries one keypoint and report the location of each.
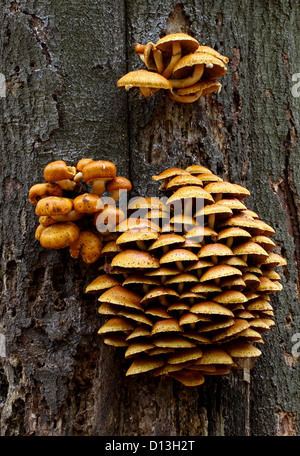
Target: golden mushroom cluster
(178, 64)
(188, 290)
(71, 209)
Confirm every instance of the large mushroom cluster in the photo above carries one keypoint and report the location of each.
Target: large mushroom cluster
(178, 64)
(71, 210)
(188, 290)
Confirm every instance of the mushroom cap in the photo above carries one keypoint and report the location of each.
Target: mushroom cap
(158, 292)
(100, 169)
(209, 50)
(214, 208)
(102, 282)
(205, 288)
(133, 222)
(133, 235)
(168, 173)
(241, 349)
(144, 364)
(251, 248)
(183, 277)
(166, 326)
(264, 241)
(81, 163)
(144, 78)
(215, 355)
(88, 203)
(54, 205)
(216, 249)
(88, 246)
(119, 183)
(233, 232)
(116, 324)
(230, 297)
(187, 42)
(192, 191)
(39, 191)
(59, 235)
(214, 67)
(198, 232)
(219, 271)
(147, 202)
(137, 347)
(166, 240)
(232, 203)
(172, 341)
(227, 188)
(178, 255)
(205, 87)
(182, 180)
(163, 271)
(211, 308)
(135, 259)
(58, 170)
(198, 169)
(121, 296)
(184, 355)
(188, 377)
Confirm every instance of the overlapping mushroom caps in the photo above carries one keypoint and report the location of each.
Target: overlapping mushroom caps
(178, 64)
(69, 203)
(188, 295)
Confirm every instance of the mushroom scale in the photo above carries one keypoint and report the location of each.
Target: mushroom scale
(204, 292)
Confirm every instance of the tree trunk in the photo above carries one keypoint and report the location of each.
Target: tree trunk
(61, 62)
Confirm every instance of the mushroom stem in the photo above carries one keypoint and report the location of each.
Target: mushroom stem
(158, 59)
(180, 288)
(229, 241)
(165, 249)
(190, 80)
(211, 220)
(98, 187)
(176, 56)
(214, 259)
(179, 265)
(218, 197)
(145, 288)
(163, 300)
(141, 245)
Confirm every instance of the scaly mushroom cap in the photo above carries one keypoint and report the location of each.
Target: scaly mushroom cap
(58, 170)
(144, 78)
(42, 190)
(53, 205)
(88, 246)
(118, 185)
(59, 235)
(121, 296)
(98, 170)
(135, 259)
(101, 283)
(187, 42)
(88, 203)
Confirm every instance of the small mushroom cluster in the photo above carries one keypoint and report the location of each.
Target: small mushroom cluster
(178, 64)
(188, 293)
(72, 213)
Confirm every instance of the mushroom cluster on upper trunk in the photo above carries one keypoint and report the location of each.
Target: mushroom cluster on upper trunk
(71, 209)
(188, 290)
(178, 64)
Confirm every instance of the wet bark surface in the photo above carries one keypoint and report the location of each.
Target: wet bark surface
(61, 62)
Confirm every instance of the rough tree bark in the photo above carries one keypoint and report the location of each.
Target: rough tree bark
(61, 61)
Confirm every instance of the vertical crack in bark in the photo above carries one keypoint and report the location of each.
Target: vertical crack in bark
(287, 193)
